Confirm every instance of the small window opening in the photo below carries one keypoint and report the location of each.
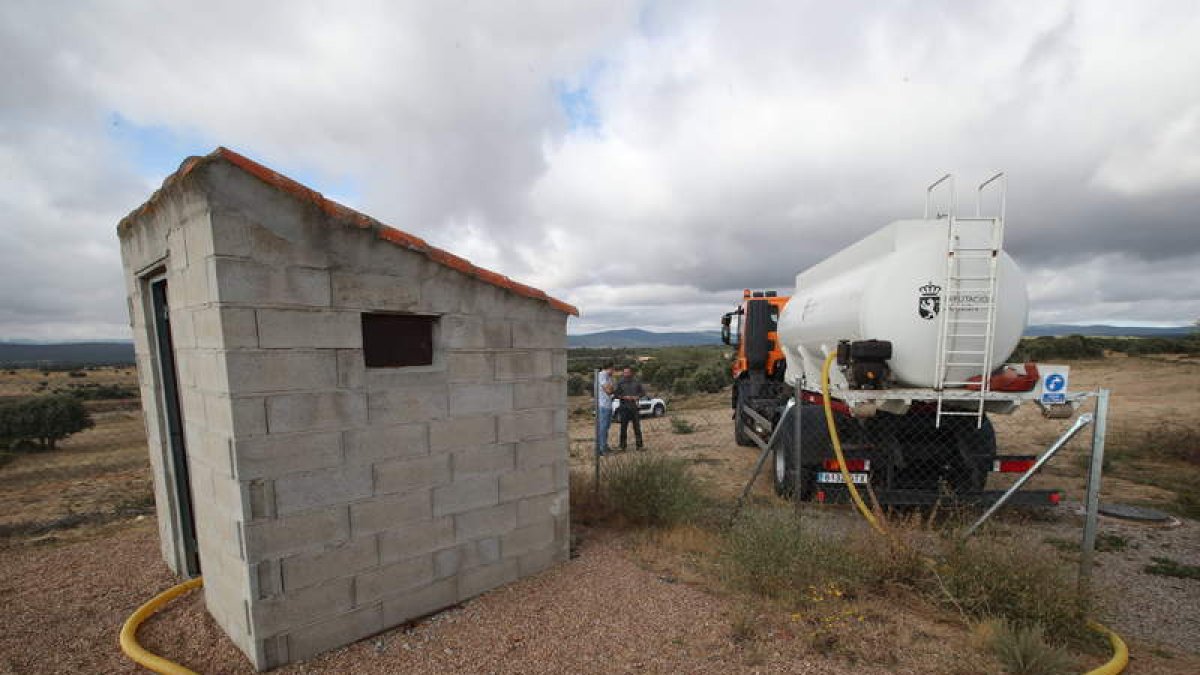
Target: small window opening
(397, 340)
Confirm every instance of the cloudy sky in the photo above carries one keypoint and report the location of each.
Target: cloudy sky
(644, 160)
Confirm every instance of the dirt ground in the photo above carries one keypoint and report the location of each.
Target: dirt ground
(80, 553)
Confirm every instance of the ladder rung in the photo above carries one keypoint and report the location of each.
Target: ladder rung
(960, 413)
(970, 278)
(966, 335)
(976, 382)
(978, 321)
(965, 351)
(960, 364)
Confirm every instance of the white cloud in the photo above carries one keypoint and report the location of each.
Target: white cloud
(732, 145)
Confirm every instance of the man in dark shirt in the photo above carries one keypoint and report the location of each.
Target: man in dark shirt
(629, 390)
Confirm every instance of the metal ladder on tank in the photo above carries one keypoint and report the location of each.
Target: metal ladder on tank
(970, 298)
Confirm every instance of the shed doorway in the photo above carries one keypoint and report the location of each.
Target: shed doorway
(168, 395)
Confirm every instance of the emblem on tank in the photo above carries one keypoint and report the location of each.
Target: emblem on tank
(929, 302)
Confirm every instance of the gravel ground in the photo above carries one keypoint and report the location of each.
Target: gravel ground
(599, 613)
(1148, 607)
(64, 604)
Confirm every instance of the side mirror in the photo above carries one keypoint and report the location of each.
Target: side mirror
(725, 321)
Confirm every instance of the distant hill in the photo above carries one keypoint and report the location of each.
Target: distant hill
(66, 353)
(1108, 331)
(635, 337)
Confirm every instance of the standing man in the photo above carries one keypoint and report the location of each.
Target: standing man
(629, 390)
(604, 406)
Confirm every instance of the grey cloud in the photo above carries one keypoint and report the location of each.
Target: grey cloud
(737, 143)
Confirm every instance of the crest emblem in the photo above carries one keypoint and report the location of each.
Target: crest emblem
(929, 301)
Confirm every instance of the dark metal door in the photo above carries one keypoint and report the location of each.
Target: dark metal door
(174, 420)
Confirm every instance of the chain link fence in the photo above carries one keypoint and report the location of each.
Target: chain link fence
(895, 460)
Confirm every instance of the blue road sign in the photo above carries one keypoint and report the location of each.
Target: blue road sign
(1055, 382)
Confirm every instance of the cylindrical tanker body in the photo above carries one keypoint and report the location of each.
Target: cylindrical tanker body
(892, 286)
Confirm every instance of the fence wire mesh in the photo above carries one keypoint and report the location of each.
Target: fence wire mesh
(895, 460)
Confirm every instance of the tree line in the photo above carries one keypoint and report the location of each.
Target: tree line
(678, 370)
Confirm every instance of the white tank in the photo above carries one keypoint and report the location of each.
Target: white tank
(891, 286)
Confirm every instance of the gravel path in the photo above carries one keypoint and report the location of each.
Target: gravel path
(1151, 607)
(63, 606)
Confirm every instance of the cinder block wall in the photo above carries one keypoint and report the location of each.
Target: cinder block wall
(340, 500)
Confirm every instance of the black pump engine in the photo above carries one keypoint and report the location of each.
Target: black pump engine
(864, 363)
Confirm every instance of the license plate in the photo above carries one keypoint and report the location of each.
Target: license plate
(836, 477)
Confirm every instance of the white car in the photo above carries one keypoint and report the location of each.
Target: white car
(646, 406)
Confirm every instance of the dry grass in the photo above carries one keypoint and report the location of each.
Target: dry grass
(31, 381)
(95, 477)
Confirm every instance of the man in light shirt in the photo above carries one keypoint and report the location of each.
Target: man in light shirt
(604, 406)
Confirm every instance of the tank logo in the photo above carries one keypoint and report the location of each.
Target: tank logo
(929, 302)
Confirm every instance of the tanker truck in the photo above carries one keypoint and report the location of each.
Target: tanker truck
(906, 332)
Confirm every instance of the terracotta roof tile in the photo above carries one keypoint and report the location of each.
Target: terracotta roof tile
(347, 216)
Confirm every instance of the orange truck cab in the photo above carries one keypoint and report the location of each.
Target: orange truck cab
(758, 364)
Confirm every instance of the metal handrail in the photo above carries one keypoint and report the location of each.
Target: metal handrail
(979, 194)
(929, 193)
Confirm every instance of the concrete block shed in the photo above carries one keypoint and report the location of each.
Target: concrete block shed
(348, 427)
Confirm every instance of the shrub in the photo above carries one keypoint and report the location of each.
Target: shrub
(683, 386)
(769, 552)
(1025, 584)
(1167, 567)
(577, 385)
(652, 490)
(681, 426)
(44, 420)
(1022, 650)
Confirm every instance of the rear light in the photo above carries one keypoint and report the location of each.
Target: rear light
(851, 465)
(820, 496)
(1055, 498)
(1013, 465)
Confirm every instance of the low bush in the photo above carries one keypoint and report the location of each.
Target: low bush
(1023, 583)
(680, 425)
(1023, 650)
(1166, 567)
(648, 489)
(771, 553)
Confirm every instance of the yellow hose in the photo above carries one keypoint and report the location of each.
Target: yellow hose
(129, 643)
(1120, 657)
(837, 447)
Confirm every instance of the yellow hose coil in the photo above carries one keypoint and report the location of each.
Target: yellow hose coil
(129, 643)
(1120, 657)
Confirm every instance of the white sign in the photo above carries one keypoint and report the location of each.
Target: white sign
(1053, 384)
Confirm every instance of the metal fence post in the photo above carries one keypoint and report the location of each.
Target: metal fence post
(597, 447)
(797, 411)
(1092, 503)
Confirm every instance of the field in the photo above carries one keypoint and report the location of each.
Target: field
(79, 547)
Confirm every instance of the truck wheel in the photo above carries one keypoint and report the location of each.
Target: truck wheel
(739, 428)
(659, 410)
(784, 481)
(785, 478)
(977, 448)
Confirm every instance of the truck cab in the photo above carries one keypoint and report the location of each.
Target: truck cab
(758, 363)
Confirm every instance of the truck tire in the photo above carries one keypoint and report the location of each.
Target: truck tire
(739, 428)
(977, 447)
(659, 410)
(784, 478)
